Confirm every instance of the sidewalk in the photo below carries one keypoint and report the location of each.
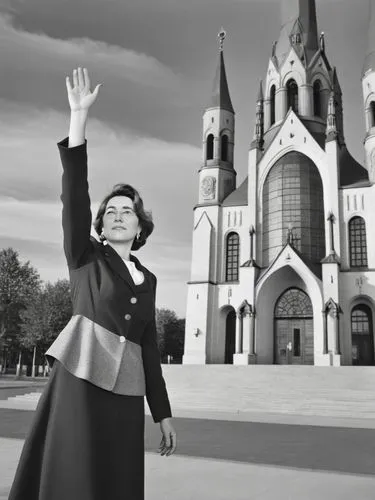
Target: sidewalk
(237, 455)
(185, 478)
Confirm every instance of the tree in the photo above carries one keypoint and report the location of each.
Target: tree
(175, 338)
(46, 315)
(171, 331)
(164, 317)
(17, 283)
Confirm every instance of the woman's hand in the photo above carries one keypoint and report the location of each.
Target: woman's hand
(169, 440)
(80, 97)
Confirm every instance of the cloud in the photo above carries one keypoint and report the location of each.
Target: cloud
(138, 90)
(164, 172)
(40, 49)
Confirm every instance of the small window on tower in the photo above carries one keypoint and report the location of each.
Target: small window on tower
(317, 99)
(210, 147)
(224, 147)
(372, 110)
(272, 104)
(292, 89)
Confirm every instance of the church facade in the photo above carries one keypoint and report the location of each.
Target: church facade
(283, 265)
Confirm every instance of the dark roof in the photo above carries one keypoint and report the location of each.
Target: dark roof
(237, 197)
(351, 172)
(220, 97)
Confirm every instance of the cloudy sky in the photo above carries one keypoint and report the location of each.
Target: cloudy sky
(156, 60)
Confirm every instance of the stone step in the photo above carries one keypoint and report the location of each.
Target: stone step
(293, 390)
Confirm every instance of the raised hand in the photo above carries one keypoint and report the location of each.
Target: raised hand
(79, 95)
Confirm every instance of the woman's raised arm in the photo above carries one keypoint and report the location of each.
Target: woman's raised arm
(80, 100)
(76, 213)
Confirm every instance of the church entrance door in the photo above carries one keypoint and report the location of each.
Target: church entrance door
(294, 329)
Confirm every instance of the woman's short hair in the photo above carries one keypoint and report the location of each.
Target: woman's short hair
(145, 217)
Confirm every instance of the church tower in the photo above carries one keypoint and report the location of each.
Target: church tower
(299, 76)
(368, 85)
(217, 177)
(275, 261)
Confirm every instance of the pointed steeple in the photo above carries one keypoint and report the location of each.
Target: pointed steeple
(369, 64)
(220, 97)
(299, 29)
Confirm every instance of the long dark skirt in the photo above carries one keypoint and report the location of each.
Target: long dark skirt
(85, 444)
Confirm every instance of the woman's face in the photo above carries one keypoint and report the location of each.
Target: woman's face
(120, 222)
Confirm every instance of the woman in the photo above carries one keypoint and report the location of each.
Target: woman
(87, 439)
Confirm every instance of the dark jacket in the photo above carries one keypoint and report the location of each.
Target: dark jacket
(111, 339)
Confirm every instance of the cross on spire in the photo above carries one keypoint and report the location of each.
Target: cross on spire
(222, 35)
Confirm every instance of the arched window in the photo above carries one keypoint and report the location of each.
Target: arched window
(372, 114)
(210, 147)
(357, 242)
(317, 99)
(232, 257)
(292, 89)
(224, 147)
(273, 105)
(362, 335)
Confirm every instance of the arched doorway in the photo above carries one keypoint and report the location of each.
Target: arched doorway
(294, 329)
(230, 337)
(362, 336)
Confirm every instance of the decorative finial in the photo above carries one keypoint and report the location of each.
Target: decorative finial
(222, 35)
(322, 42)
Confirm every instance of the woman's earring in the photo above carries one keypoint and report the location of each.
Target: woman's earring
(138, 236)
(102, 237)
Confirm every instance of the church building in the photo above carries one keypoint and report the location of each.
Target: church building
(283, 265)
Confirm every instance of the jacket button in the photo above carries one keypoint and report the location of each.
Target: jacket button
(134, 300)
(127, 316)
(122, 339)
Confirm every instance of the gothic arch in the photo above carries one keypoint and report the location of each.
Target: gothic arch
(293, 75)
(362, 334)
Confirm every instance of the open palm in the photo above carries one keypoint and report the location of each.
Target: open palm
(79, 95)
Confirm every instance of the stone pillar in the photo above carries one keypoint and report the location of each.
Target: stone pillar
(216, 148)
(239, 333)
(267, 114)
(246, 331)
(281, 103)
(305, 100)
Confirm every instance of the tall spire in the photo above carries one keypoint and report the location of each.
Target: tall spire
(220, 97)
(370, 55)
(299, 29)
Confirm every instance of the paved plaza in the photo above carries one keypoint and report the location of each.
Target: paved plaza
(220, 457)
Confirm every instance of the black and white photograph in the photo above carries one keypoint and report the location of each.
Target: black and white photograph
(187, 257)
